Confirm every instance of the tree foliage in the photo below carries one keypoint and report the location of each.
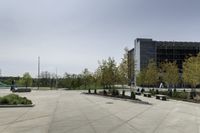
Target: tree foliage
(170, 73)
(97, 77)
(140, 78)
(109, 71)
(26, 80)
(148, 76)
(191, 70)
(123, 69)
(87, 77)
(151, 74)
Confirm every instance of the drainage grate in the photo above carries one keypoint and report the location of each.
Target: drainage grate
(109, 103)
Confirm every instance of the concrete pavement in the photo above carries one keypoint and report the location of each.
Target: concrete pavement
(72, 112)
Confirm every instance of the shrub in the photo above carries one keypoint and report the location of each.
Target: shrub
(113, 92)
(123, 93)
(25, 100)
(175, 94)
(116, 92)
(174, 90)
(157, 92)
(143, 90)
(89, 91)
(180, 95)
(163, 92)
(152, 92)
(14, 102)
(4, 100)
(132, 95)
(193, 93)
(104, 92)
(170, 92)
(14, 99)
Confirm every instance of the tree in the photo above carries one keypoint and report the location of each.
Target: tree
(97, 77)
(140, 78)
(123, 69)
(67, 80)
(45, 78)
(108, 72)
(191, 71)
(151, 74)
(103, 68)
(79, 81)
(170, 74)
(86, 77)
(53, 80)
(26, 79)
(112, 71)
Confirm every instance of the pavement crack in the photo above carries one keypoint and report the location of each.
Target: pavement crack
(18, 121)
(54, 111)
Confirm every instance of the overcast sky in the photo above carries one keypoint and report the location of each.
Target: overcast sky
(71, 35)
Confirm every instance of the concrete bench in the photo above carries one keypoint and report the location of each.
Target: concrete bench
(147, 94)
(161, 97)
(138, 93)
(22, 90)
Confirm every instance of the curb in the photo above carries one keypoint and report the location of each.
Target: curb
(16, 106)
(120, 98)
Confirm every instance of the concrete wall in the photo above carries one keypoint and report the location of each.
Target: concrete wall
(137, 56)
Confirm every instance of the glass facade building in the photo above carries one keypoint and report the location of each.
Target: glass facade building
(160, 51)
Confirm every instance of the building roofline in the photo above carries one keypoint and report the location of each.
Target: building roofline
(178, 42)
(131, 50)
(150, 39)
(144, 39)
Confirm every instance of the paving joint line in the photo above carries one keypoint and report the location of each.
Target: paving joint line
(54, 111)
(164, 118)
(3, 130)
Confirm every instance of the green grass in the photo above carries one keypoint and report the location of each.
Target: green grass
(92, 87)
(13, 99)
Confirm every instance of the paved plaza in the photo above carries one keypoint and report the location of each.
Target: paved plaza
(72, 112)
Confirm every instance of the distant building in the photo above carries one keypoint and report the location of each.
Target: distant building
(160, 51)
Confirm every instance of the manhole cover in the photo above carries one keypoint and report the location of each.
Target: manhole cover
(109, 102)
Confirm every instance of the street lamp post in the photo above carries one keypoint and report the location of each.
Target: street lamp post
(38, 72)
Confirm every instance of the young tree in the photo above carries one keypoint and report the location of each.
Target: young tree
(108, 72)
(54, 80)
(97, 77)
(103, 70)
(112, 71)
(151, 74)
(87, 77)
(27, 79)
(140, 79)
(170, 74)
(45, 79)
(123, 69)
(191, 71)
